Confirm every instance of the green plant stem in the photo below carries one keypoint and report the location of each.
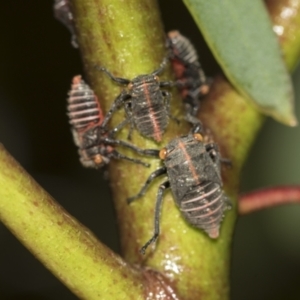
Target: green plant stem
(127, 38)
(68, 249)
(286, 23)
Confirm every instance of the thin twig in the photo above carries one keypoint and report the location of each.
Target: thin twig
(268, 197)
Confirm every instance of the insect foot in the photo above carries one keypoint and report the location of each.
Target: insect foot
(94, 140)
(146, 105)
(194, 176)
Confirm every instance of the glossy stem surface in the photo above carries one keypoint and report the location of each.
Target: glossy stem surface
(119, 36)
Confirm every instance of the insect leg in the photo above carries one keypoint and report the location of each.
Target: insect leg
(130, 131)
(150, 152)
(116, 104)
(118, 155)
(197, 128)
(226, 161)
(152, 176)
(111, 76)
(159, 199)
(167, 83)
(167, 98)
(227, 202)
(195, 122)
(113, 131)
(214, 153)
(174, 118)
(211, 146)
(162, 66)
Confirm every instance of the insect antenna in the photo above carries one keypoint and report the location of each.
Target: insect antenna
(111, 76)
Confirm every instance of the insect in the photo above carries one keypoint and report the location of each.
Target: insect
(147, 107)
(191, 80)
(193, 174)
(95, 142)
(63, 13)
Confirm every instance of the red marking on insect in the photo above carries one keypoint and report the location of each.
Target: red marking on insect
(83, 106)
(191, 80)
(146, 103)
(157, 134)
(189, 161)
(95, 141)
(193, 173)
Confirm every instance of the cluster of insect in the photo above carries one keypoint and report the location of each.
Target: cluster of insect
(191, 165)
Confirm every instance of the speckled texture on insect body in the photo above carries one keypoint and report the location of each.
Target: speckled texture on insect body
(193, 174)
(196, 182)
(95, 141)
(147, 106)
(191, 79)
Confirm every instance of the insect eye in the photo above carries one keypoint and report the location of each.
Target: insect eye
(204, 89)
(198, 137)
(156, 78)
(98, 159)
(130, 86)
(163, 153)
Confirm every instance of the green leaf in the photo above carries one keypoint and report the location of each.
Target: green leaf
(240, 35)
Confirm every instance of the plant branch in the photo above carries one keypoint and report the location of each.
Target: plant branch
(127, 38)
(286, 23)
(268, 197)
(68, 249)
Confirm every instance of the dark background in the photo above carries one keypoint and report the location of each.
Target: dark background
(37, 63)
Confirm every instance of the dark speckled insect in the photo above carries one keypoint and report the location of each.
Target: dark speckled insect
(63, 13)
(147, 106)
(95, 142)
(191, 80)
(193, 171)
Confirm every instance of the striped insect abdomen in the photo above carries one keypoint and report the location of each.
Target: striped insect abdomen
(152, 121)
(85, 117)
(83, 107)
(191, 79)
(182, 48)
(196, 185)
(150, 114)
(204, 207)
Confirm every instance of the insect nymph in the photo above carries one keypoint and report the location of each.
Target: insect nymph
(191, 80)
(193, 174)
(95, 142)
(147, 106)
